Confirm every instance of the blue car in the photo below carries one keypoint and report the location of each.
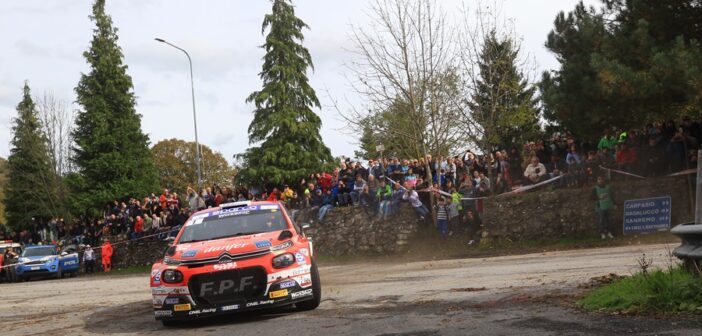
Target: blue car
(45, 261)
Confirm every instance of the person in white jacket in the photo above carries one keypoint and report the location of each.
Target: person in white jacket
(412, 196)
(89, 259)
(535, 172)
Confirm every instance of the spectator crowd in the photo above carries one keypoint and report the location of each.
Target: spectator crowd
(383, 183)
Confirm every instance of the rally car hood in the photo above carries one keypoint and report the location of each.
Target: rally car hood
(233, 246)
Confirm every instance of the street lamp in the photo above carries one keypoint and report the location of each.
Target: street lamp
(192, 87)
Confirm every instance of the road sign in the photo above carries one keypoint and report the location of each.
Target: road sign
(379, 148)
(647, 215)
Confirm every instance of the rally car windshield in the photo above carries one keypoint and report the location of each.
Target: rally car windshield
(39, 251)
(232, 224)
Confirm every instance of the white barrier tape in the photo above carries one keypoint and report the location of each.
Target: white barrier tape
(684, 172)
(529, 187)
(516, 191)
(623, 172)
(100, 247)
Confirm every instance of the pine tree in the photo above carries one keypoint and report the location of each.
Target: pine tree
(284, 123)
(625, 64)
(29, 191)
(111, 151)
(503, 103)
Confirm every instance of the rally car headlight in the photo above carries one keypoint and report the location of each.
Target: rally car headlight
(172, 276)
(23, 260)
(283, 260)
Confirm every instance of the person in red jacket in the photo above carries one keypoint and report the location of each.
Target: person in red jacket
(138, 227)
(626, 157)
(106, 256)
(274, 195)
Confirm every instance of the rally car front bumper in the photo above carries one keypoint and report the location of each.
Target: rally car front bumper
(217, 293)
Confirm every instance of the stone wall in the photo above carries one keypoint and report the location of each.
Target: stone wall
(554, 214)
(135, 254)
(349, 230)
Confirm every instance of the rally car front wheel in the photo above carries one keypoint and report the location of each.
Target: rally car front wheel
(316, 291)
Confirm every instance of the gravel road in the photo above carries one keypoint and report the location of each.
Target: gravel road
(511, 295)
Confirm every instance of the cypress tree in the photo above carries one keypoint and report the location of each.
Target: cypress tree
(504, 103)
(30, 177)
(111, 151)
(284, 123)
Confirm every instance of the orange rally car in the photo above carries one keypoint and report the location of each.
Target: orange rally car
(240, 256)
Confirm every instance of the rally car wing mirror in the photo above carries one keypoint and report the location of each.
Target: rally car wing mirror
(170, 251)
(64, 253)
(285, 234)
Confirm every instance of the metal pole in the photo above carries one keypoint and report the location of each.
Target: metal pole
(192, 89)
(698, 197)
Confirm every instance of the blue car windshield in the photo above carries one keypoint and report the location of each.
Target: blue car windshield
(39, 251)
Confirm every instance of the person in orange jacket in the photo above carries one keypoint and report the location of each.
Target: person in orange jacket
(106, 256)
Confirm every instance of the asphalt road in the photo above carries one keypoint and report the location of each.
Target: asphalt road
(513, 295)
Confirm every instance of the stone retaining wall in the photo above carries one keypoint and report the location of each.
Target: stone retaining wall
(570, 213)
(349, 230)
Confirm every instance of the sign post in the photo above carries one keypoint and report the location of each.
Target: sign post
(647, 215)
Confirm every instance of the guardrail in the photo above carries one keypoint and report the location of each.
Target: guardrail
(690, 251)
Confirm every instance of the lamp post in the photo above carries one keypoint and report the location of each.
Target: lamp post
(192, 88)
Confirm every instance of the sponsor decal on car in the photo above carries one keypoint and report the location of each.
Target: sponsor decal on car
(306, 281)
(158, 301)
(297, 295)
(305, 269)
(278, 294)
(229, 307)
(300, 258)
(259, 303)
(263, 243)
(287, 284)
(157, 277)
(225, 247)
(227, 286)
(225, 266)
(305, 252)
(163, 312)
(189, 254)
(182, 307)
(203, 311)
(163, 290)
(172, 300)
(268, 207)
(301, 270)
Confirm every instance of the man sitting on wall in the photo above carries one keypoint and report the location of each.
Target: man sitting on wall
(535, 172)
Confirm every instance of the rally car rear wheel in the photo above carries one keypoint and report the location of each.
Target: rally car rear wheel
(316, 291)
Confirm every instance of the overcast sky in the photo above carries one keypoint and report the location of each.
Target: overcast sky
(42, 41)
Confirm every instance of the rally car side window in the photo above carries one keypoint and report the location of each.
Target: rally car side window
(298, 230)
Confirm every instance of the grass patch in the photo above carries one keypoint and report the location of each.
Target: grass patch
(673, 290)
